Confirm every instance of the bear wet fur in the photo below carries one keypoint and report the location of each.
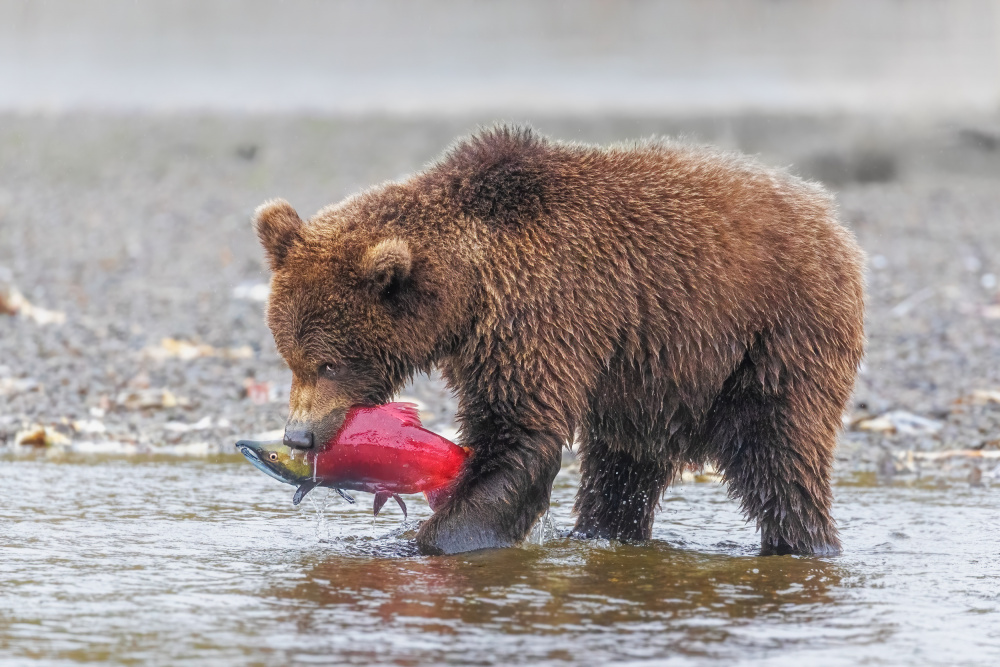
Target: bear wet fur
(659, 304)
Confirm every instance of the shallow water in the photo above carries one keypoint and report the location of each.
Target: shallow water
(167, 561)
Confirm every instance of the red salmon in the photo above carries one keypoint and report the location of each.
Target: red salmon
(382, 450)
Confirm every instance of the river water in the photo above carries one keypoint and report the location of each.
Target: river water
(167, 561)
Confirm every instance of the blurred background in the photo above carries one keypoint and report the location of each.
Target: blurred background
(447, 56)
(137, 137)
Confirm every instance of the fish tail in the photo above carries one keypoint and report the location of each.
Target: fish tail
(380, 498)
(401, 504)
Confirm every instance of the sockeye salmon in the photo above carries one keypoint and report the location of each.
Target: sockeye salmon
(382, 450)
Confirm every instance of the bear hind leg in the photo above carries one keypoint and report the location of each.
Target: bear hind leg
(619, 491)
(776, 452)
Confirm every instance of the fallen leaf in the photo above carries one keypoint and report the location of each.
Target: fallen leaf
(89, 426)
(146, 399)
(950, 454)
(700, 473)
(12, 302)
(983, 396)
(877, 424)
(259, 393)
(39, 436)
(264, 392)
(14, 386)
(172, 348)
(900, 421)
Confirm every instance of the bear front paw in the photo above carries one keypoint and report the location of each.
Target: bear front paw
(453, 535)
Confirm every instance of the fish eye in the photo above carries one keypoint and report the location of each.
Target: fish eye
(273, 456)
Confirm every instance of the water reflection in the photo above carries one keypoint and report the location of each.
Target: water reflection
(665, 597)
(633, 582)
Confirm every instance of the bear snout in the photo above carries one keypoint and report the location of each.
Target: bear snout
(303, 431)
(298, 438)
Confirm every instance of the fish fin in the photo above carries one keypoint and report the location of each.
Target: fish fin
(345, 495)
(303, 489)
(380, 498)
(437, 498)
(406, 413)
(401, 504)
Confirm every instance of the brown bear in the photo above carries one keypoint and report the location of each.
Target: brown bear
(659, 304)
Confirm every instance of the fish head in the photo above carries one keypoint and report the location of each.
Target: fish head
(278, 460)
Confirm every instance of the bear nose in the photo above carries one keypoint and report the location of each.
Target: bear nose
(298, 439)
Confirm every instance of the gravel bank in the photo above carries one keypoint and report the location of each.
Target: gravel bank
(135, 229)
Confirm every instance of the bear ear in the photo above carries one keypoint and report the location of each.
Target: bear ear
(278, 227)
(386, 265)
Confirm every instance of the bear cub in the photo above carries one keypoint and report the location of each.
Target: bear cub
(658, 304)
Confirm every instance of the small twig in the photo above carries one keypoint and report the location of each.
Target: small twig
(904, 306)
(952, 453)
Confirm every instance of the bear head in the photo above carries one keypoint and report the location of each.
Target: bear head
(390, 281)
(363, 295)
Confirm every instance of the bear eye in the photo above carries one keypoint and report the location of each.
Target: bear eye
(329, 371)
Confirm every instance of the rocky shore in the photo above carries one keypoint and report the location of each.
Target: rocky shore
(132, 287)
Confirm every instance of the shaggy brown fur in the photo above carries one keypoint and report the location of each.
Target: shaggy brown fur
(661, 304)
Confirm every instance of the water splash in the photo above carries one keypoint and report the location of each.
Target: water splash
(319, 501)
(543, 530)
